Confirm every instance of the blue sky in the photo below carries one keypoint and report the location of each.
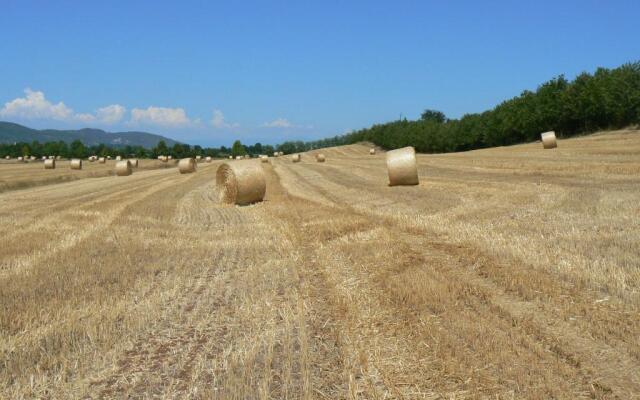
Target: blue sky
(210, 72)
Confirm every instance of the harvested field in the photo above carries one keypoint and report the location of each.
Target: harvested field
(15, 175)
(506, 273)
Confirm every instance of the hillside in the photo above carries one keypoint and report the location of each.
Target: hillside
(12, 133)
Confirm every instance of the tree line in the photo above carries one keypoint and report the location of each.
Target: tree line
(606, 99)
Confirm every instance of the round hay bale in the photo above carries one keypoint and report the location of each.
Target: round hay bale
(198, 158)
(241, 183)
(238, 157)
(50, 164)
(164, 158)
(51, 157)
(76, 163)
(43, 158)
(102, 160)
(264, 159)
(276, 154)
(208, 159)
(32, 158)
(118, 158)
(169, 157)
(372, 151)
(320, 157)
(108, 157)
(295, 158)
(402, 167)
(58, 158)
(123, 168)
(134, 162)
(7, 157)
(20, 159)
(549, 140)
(187, 165)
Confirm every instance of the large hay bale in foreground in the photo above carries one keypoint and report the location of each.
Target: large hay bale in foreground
(123, 168)
(187, 165)
(134, 162)
(372, 151)
(76, 163)
(50, 164)
(320, 157)
(402, 167)
(295, 158)
(241, 182)
(549, 140)
(102, 160)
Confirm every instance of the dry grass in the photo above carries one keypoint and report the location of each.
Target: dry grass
(507, 273)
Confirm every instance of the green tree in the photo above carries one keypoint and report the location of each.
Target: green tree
(238, 149)
(433, 115)
(77, 149)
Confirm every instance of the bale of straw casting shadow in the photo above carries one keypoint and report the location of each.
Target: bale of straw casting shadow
(50, 164)
(549, 140)
(402, 167)
(76, 163)
(187, 165)
(264, 159)
(320, 157)
(102, 160)
(208, 159)
(134, 162)
(123, 168)
(295, 158)
(372, 151)
(241, 183)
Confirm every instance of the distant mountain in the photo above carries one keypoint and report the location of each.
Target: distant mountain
(11, 133)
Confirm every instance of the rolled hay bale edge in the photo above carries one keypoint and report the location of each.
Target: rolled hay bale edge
(320, 157)
(134, 162)
(295, 158)
(123, 168)
(187, 165)
(402, 167)
(75, 163)
(549, 140)
(241, 183)
(50, 164)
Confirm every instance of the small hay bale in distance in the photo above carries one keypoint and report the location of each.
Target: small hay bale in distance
(75, 163)
(187, 165)
(7, 157)
(198, 158)
(108, 157)
(402, 167)
(102, 160)
(264, 159)
(295, 158)
(123, 168)
(134, 162)
(43, 158)
(276, 154)
(372, 151)
(58, 158)
(20, 159)
(238, 157)
(50, 164)
(549, 140)
(169, 157)
(208, 159)
(241, 183)
(320, 157)
(118, 158)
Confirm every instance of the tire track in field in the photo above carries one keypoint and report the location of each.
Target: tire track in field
(598, 361)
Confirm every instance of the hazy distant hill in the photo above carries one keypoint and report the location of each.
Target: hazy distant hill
(11, 133)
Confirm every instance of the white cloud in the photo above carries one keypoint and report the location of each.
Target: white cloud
(218, 121)
(160, 116)
(279, 123)
(111, 114)
(34, 105)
